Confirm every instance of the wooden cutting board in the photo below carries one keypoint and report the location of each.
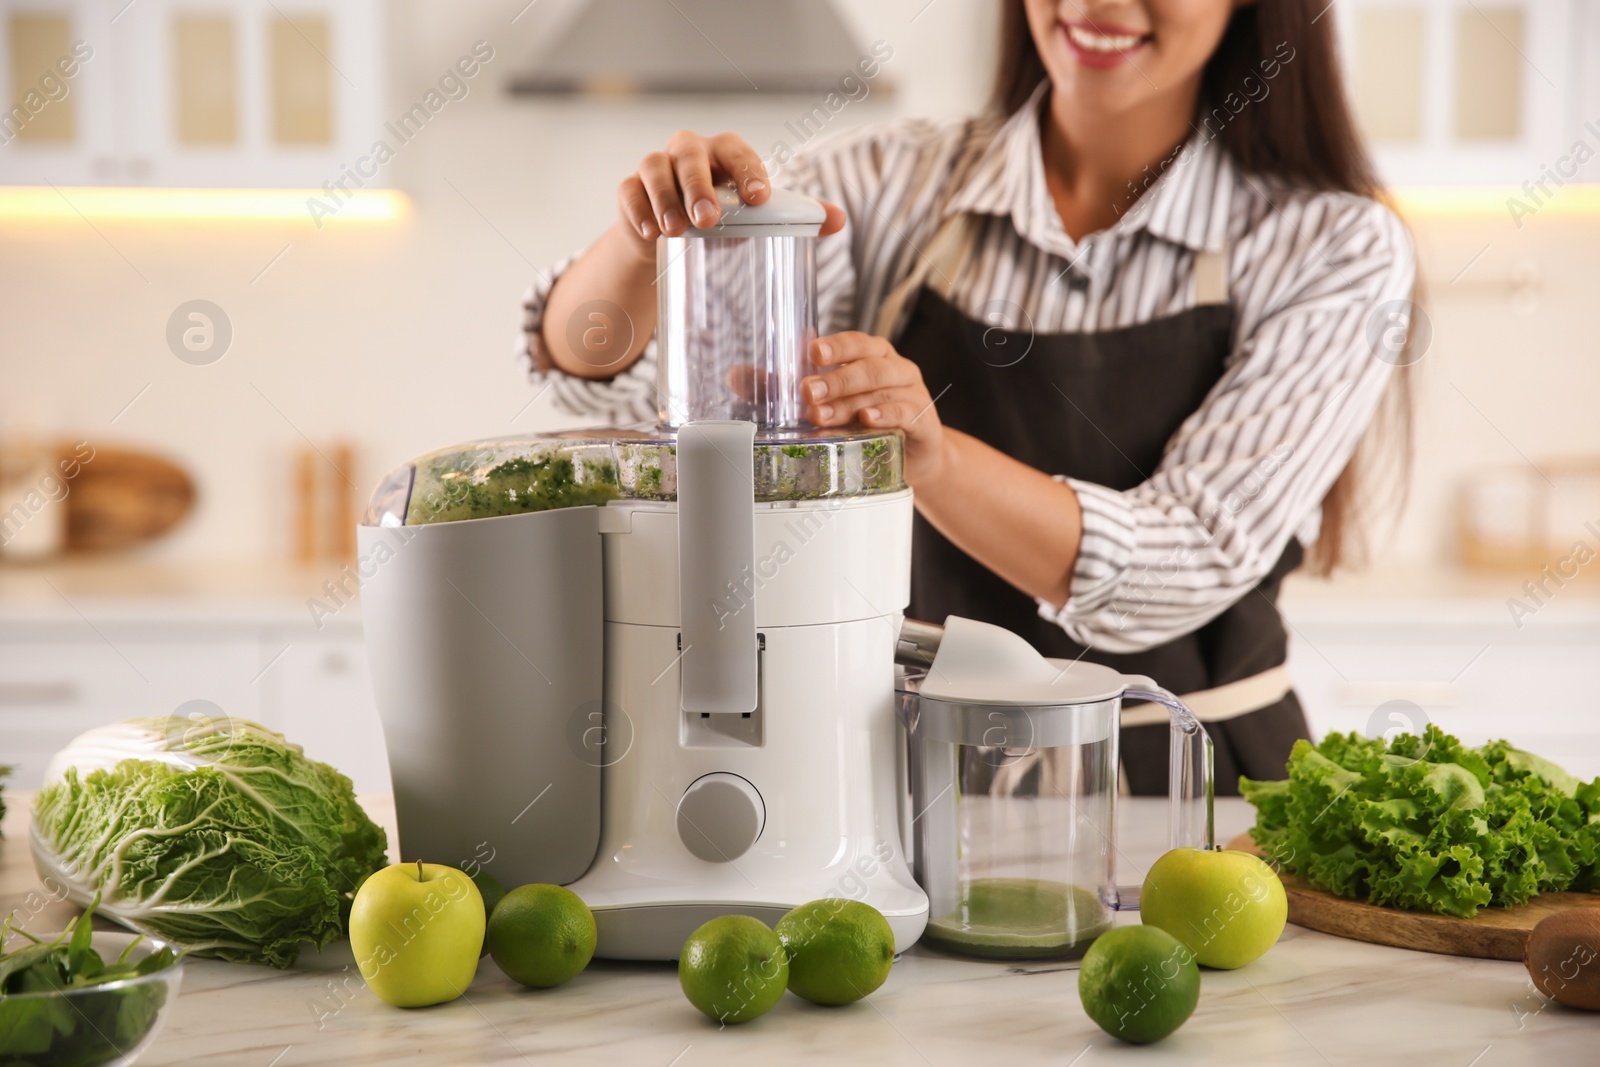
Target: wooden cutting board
(1492, 934)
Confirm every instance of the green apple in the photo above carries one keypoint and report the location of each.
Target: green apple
(1227, 906)
(417, 931)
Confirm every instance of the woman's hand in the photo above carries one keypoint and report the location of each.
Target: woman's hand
(1017, 521)
(868, 381)
(670, 190)
(675, 188)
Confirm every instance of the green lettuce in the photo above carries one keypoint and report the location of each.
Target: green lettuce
(218, 836)
(1428, 824)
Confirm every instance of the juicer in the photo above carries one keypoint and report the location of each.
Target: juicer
(657, 663)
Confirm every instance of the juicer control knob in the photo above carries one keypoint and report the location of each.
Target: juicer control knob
(720, 816)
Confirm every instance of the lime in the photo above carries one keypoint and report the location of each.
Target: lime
(1138, 983)
(839, 950)
(541, 935)
(733, 968)
(492, 892)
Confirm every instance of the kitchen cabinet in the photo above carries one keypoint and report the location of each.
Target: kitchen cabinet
(321, 695)
(1447, 650)
(57, 683)
(189, 92)
(58, 80)
(61, 677)
(1474, 92)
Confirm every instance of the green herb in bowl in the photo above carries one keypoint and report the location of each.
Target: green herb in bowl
(63, 1003)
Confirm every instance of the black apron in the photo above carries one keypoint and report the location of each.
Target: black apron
(1099, 407)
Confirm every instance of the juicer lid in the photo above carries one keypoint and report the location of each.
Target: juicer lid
(979, 663)
(574, 468)
(785, 214)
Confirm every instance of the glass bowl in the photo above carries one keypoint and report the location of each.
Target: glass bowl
(108, 1025)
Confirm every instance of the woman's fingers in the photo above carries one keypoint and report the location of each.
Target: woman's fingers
(661, 185)
(699, 162)
(679, 185)
(848, 345)
(895, 415)
(691, 162)
(865, 378)
(839, 411)
(735, 160)
(857, 362)
(633, 204)
(861, 376)
(835, 220)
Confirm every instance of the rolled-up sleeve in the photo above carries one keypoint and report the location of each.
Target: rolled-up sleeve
(1248, 470)
(628, 397)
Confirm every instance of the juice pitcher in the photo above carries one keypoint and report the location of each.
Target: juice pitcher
(1012, 762)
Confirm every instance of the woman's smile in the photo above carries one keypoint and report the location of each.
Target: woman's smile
(1101, 45)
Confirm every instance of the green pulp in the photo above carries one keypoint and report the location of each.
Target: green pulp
(1021, 918)
(512, 487)
(542, 472)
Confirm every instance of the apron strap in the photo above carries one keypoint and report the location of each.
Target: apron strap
(1211, 277)
(945, 256)
(1220, 702)
(938, 265)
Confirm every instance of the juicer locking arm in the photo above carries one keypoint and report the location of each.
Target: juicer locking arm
(918, 643)
(720, 671)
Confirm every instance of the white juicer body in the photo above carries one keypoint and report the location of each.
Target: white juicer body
(708, 814)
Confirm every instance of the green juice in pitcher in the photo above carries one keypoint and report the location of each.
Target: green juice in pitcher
(1020, 918)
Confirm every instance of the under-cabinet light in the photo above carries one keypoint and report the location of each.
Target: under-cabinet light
(1510, 202)
(317, 207)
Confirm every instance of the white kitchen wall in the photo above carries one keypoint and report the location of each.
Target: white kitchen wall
(399, 336)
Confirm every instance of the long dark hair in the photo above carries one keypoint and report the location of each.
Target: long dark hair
(1302, 134)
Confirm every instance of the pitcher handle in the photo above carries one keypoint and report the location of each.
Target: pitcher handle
(1190, 784)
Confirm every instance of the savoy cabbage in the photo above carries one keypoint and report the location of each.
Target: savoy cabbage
(217, 835)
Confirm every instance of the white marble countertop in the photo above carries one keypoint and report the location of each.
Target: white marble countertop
(1313, 999)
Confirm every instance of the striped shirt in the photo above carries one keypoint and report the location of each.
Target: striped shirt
(1308, 274)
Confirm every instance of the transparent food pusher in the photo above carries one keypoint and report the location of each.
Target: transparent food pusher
(657, 663)
(736, 314)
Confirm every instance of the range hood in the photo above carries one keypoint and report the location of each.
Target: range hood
(615, 47)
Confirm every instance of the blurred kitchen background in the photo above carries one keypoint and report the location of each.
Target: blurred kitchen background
(229, 318)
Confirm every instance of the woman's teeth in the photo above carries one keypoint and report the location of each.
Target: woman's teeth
(1099, 42)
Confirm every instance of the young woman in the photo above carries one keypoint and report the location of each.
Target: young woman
(1123, 322)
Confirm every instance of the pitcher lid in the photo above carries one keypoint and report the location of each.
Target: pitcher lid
(979, 663)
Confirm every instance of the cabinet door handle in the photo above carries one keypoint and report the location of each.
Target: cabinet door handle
(32, 694)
